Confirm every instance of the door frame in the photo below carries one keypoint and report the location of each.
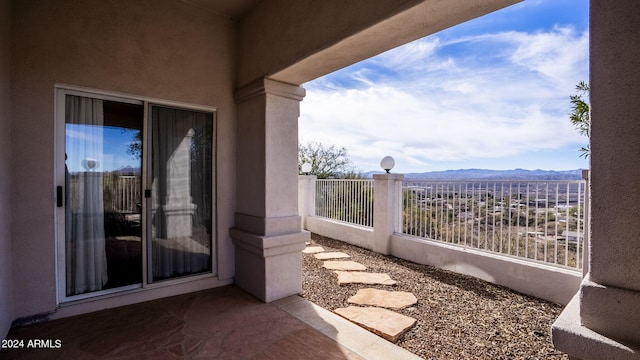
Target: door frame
(60, 92)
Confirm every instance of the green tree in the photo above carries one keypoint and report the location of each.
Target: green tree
(580, 115)
(326, 161)
(135, 146)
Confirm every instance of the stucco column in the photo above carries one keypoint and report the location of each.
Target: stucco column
(178, 208)
(602, 321)
(267, 235)
(611, 298)
(387, 207)
(306, 197)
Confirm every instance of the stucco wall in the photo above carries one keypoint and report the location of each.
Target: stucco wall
(162, 49)
(542, 281)
(6, 303)
(351, 234)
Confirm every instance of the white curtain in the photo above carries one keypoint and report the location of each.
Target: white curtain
(181, 240)
(86, 262)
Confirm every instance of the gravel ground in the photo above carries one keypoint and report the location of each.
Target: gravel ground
(459, 317)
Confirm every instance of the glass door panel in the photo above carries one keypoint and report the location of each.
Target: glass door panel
(103, 200)
(180, 239)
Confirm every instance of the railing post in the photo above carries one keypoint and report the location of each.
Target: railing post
(387, 207)
(306, 197)
(587, 222)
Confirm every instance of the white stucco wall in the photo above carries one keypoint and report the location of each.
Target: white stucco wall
(539, 280)
(351, 234)
(167, 50)
(6, 294)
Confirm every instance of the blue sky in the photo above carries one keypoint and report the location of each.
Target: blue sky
(108, 145)
(491, 93)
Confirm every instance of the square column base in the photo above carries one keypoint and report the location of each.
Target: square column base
(269, 267)
(610, 310)
(580, 342)
(179, 220)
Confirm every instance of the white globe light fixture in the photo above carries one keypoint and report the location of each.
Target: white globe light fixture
(90, 164)
(306, 168)
(387, 163)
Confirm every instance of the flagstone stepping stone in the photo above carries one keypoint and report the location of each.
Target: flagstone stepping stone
(388, 299)
(344, 265)
(313, 249)
(348, 277)
(331, 255)
(386, 323)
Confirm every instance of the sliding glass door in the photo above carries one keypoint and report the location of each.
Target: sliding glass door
(138, 184)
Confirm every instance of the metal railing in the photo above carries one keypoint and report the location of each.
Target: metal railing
(537, 220)
(120, 193)
(348, 200)
(129, 196)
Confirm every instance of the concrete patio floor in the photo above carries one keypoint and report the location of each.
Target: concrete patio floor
(221, 323)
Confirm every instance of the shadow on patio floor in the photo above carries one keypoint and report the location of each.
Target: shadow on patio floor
(221, 323)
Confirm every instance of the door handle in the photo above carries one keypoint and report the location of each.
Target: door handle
(59, 196)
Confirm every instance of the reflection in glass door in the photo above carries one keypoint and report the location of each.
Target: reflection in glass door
(103, 200)
(181, 193)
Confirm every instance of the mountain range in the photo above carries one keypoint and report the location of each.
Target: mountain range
(486, 174)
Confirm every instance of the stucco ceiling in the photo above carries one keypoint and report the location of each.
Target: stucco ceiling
(229, 8)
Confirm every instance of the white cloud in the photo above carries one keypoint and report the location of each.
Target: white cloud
(558, 55)
(410, 55)
(505, 94)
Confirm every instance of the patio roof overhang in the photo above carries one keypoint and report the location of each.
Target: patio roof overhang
(295, 42)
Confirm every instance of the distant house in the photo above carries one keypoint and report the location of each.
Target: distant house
(573, 236)
(466, 215)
